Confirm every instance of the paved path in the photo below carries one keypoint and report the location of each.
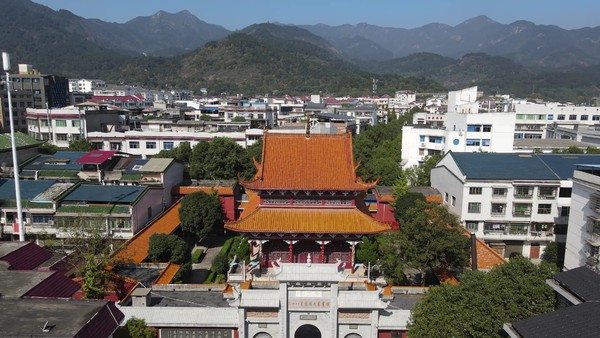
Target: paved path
(211, 247)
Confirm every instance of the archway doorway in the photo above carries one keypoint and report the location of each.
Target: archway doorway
(307, 331)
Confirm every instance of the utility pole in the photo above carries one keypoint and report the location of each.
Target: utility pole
(6, 67)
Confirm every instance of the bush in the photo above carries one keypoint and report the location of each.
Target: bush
(197, 256)
(137, 329)
(220, 263)
(183, 273)
(165, 248)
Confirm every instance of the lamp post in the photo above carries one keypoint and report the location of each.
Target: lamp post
(6, 67)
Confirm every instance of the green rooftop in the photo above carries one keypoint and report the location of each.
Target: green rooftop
(21, 140)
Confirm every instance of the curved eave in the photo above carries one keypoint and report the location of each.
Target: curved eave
(307, 221)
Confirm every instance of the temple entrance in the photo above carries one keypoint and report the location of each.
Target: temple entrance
(339, 250)
(307, 331)
(304, 248)
(273, 250)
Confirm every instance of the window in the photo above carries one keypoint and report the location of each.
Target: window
(168, 145)
(475, 191)
(565, 192)
(473, 142)
(523, 191)
(472, 225)
(453, 201)
(494, 227)
(547, 192)
(474, 127)
(75, 123)
(134, 144)
(498, 192)
(583, 117)
(61, 137)
(595, 117)
(421, 138)
(498, 209)
(446, 197)
(572, 117)
(561, 117)
(150, 145)
(565, 211)
(521, 209)
(550, 117)
(487, 128)
(544, 209)
(474, 207)
(518, 135)
(44, 123)
(61, 123)
(485, 142)
(435, 139)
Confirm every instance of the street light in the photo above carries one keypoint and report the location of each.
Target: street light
(6, 67)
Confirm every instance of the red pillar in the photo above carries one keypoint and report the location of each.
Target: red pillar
(291, 251)
(322, 251)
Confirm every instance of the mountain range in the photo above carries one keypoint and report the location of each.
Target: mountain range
(179, 49)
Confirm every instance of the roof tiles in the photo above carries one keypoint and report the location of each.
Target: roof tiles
(308, 220)
(297, 162)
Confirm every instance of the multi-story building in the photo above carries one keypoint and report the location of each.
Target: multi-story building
(21, 100)
(583, 237)
(50, 91)
(63, 125)
(517, 203)
(86, 85)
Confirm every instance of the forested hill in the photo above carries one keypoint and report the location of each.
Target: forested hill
(265, 61)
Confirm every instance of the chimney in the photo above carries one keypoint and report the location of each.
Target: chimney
(473, 252)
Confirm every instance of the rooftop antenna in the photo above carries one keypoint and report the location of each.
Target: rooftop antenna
(6, 67)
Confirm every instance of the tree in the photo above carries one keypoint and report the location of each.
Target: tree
(423, 172)
(484, 301)
(47, 148)
(137, 328)
(401, 184)
(550, 254)
(368, 252)
(429, 237)
(93, 277)
(405, 202)
(200, 213)
(168, 248)
(80, 145)
(219, 159)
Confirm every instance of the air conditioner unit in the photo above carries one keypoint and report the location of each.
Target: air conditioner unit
(422, 145)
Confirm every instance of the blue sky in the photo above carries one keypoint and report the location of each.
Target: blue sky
(237, 14)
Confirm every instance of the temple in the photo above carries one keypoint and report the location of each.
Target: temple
(306, 203)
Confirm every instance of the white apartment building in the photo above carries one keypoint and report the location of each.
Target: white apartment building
(488, 125)
(517, 203)
(583, 236)
(532, 119)
(461, 132)
(85, 85)
(60, 126)
(148, 143)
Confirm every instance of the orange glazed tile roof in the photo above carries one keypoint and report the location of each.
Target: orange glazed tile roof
(487, 258)
(308, 220)
(167, 275)
(221, 191)
(136, 249)
(295, 162)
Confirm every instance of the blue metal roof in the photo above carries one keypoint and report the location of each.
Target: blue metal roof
(137, 162)
(29, 189)
(563, 165)
(502, 166)
(40, 163)
(105, 194)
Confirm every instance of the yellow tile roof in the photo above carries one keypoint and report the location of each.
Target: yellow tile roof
(136, 249)
(308, 220)
(167, 275)
(295, 162)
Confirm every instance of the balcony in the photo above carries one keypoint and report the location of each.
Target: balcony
(523, 196)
